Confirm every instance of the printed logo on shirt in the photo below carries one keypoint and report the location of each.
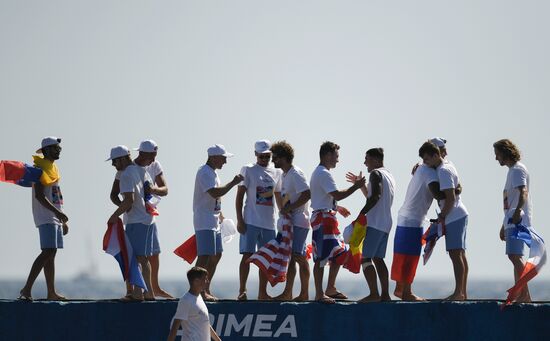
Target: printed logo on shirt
(264, 195)
(217, 205)
(57, 197)
(505, 200)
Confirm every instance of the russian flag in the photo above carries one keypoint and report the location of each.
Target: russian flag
(19, 173)
(407, 246)
(537, 259)
(431, 236)
(353, 263)
(116, 243)
(188, 250)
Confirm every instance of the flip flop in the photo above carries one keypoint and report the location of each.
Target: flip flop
(338, 296)
(130, 298)
(326, 300)
(25, 298)
(242, 297)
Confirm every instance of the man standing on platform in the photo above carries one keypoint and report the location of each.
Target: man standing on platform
(257, 225)
(327, 240)
(207, 212)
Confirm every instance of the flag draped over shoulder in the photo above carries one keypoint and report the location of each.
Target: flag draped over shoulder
(25, 175)
(188, 250)
(327, 239)
(116, 243)
(537, 259)
(431, 236)
(273, 257)
(407, 247)
(353, 262)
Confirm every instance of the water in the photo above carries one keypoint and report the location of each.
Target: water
(228, 289)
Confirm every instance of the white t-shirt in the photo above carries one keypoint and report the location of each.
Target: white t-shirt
(193, 313)
(206, 209)
(448, 178)
(321, 184)
(259, 208)
(292, 184)
(379, 216)
(517, 176)
(418, 198)
(131, 181)
(40, 213)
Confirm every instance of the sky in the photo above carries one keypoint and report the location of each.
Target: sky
(190, 74)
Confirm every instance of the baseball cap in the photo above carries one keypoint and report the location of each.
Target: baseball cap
(438, 141)
(147, 146)
(218, 149)
(48, 141)
(262, 146)
(118, 151)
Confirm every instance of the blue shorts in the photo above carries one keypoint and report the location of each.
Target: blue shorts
(209, 242)
(254, 238)
(299, 237)
(51, 236)
(513, 246)
(455, 234)
(141, 238)
(374, 245)
(156, 244)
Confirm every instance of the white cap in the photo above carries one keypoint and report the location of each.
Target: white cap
(438, 141)
(218, 149)
(262, 147)
(118, 151)
(48, 141)
(147, 146)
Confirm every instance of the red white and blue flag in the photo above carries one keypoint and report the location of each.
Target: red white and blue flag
(435, 231)
(116, 243)
(328, 239)
(273, 257)
(19, 173)
(407, 246)
(537, 259)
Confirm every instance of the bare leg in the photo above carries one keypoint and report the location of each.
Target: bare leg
(519, 264)
(399, 287)
(370, 275)
(465, 277)
(459, 272)
(304, 278)
(212, 264)
(49, 274)
(36, 267)
(146, 271)
(262, 289)
(331, 284)
(289, 285)
(320, 296)
(155, 265)
(244, 270)
(204, 262)
(382, 271)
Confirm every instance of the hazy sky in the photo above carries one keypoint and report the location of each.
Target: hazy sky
(190, 74)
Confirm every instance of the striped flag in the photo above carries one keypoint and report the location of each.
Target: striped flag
(537, 258)
(116, 243)
(328, 239)
(407, 246)
(353, 262)
(19, 173)
(273, 257)
(433, 233)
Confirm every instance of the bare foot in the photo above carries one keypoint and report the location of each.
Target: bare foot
(242, 296)
(301, 298)
(264, 297)
(456, 297)
(131, 298)
(398, 294)
(325, 299)
(523, 299)
(385, 298)
(56, 297)
(370, 298)
(412, 298)
(283, 297)
(209, 297)
(162, 294)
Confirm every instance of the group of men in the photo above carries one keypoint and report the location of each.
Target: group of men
(264, 190)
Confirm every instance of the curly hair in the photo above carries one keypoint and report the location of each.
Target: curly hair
(283, 149)
(508, 149)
